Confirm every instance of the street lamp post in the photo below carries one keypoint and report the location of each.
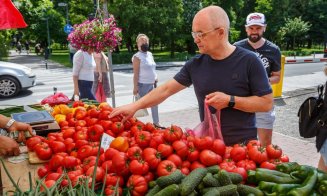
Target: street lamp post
(65, 5)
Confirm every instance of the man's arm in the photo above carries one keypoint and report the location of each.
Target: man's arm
(220, 100)
(275, 77)
(153, 98)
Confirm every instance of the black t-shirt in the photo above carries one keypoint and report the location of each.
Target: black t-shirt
(269, 54)
(240, 74)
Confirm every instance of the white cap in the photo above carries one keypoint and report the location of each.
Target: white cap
(255, 19)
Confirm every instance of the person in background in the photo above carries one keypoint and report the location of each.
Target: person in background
(72, 51)
(37, 48)
(145, 75)
(83, 77)
(226, 77)
(101, 73)
(270, 56)
(8, 146)
(19, 47)
(27, 46)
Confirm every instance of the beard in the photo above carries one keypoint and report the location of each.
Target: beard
(254, 37)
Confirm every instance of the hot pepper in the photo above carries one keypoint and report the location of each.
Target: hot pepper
(266, 186)
(284, 188)
(270, 177)
(307, 186)
(287, 167)
(302, 172)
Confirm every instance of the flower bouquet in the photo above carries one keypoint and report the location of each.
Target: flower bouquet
(96, 35)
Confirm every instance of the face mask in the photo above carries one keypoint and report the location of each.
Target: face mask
(144, 47)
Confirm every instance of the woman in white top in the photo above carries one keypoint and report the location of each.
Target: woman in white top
(83, 77)
(145, 76)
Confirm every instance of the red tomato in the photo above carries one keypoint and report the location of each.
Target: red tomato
(181, 148)
(134, 153)
(69, 162)
(110, 152)
(165, 150)
(193, 154)
(63, 124)
(111, 190)
(152, 156)
(53, 176)
(80, 135)
(219, 147)
(258, 154)
(185, 170)
(176, 160)
(196, 164)
(238, 153)
(143, 138)
(139, 167)
(104, 115)
(48, 184)
(242, 172)
(88, 162)
(268, 165)
(95, 132)
(93, 113)
(43, 151)
(72, 122)
(84, 151)
(69, 116)
(117, 127)
(253, 143)
(107, 166)
(148, 177)
(202, 143)
(112, 178)
(57, 146)
(80, 114)
(274, 151)
(99, 175)
(80, 143)
(165, 168)
(137, 185)
(136, 128)
(81, 123)
(91, 121)
(106, 124)
(43, 171)
(156, 139)
(31, 142)
(247, 164)
(173, 133)
(186, 164)
(55, 162)
(228, 165)
(77, 103)
(120, 163)
(149, 127)
(209, 158)
(284, 158)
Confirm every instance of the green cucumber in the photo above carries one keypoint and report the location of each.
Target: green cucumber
(174, 178)
(190, 182)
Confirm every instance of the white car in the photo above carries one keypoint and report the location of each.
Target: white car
(14, 78)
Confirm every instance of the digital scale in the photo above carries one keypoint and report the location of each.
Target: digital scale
(41, 121)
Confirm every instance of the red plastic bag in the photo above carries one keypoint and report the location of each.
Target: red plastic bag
(210, 125)
(57, 98)
(100, 95)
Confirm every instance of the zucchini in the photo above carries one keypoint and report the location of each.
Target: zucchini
(227, 190)
(173, 178)
(170, 190)
(223, 178)
(153, 191)
(213, 169)
(246, 190)
(190, 182)
(210, 181)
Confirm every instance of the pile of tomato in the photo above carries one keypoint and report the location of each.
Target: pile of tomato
(139, 153)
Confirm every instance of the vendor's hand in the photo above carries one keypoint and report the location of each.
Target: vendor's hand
(127, 111)
(217, 100)
(21, 127)
(8, 146)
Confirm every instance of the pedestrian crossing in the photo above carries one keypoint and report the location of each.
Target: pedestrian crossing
(61, 79)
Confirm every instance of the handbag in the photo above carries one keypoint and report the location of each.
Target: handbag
(313, 114)
(141, 112)
(210, 126)
(100, 94)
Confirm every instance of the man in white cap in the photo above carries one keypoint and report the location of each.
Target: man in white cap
(270, 56)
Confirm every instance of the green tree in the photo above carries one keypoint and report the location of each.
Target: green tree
(295, 28)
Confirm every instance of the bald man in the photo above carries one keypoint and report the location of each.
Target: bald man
(226, 77)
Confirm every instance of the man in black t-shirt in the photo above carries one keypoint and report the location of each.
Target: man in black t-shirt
(270, 56)
(226, 77)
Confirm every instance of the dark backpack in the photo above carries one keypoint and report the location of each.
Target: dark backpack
(313, 114)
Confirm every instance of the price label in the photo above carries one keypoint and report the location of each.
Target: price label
(106, 141)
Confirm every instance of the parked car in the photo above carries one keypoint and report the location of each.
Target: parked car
(14, 78)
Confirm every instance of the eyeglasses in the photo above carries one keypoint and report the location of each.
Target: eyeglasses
(200, 35)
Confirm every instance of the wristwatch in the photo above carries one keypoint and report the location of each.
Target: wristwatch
(231, 103)
(9, 123)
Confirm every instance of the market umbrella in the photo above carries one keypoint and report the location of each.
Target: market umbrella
(10, 17)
